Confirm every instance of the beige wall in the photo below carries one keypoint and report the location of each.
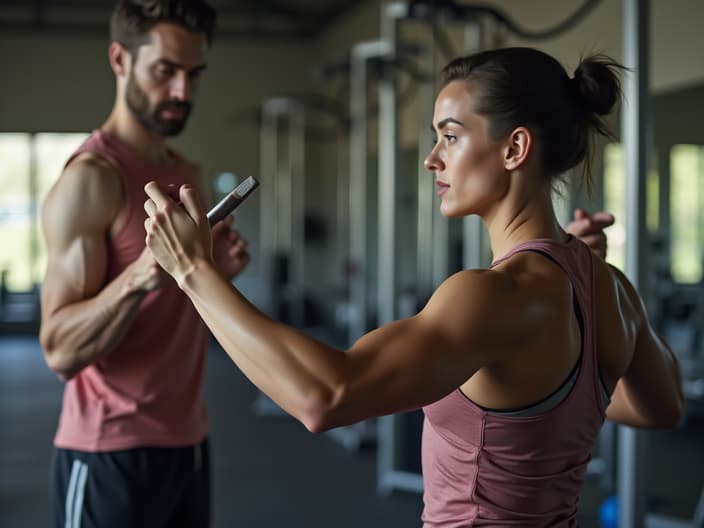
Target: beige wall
(675, 35)
(63, 83)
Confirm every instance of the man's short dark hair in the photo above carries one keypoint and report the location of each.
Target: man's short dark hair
(132, 19)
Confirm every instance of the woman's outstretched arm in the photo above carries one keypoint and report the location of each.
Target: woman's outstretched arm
(400, 366)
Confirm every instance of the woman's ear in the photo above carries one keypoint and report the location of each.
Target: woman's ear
(519, 145)
(119, 59)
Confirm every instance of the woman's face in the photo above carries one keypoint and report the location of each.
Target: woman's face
(467, 164)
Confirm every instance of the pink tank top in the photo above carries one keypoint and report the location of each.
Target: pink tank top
(148, 390)
(486, 469)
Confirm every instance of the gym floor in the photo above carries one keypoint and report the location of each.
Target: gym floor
(269, 471)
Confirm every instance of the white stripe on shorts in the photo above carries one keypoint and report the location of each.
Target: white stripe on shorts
(74, 497)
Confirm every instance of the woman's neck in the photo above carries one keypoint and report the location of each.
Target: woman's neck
(526, 213)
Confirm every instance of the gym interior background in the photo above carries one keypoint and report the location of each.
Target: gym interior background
(305, 95)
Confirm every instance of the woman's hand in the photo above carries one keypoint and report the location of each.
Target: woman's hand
(589, 228)
(178, 237)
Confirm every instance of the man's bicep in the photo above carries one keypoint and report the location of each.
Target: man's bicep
(75, 230)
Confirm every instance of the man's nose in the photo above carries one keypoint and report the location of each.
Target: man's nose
(180, 87)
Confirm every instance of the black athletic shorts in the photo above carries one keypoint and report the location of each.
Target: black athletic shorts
(149, 487)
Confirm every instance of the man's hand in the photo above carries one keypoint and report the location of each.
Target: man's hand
(229, 249)
(590, 229)
(146, 274)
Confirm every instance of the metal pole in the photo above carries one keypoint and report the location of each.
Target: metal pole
(296, 169)
(386, 291)
(388, 160)
(268, 235)
(634, 138)
(33, 208)
(342, 218)
(358, 181)
(283, 185)
(472, 227)
(427, 211)
(389, 477)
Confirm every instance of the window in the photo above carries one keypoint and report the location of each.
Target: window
(615, 202)
(31, 164)
(686, 202)
(686, 236)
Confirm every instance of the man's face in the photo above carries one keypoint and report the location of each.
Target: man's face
(163, 78)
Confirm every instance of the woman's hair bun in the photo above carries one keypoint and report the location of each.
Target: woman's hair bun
(596, 84)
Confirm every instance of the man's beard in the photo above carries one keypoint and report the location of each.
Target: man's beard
(150, 118)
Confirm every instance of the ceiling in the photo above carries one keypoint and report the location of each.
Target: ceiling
(266, 19)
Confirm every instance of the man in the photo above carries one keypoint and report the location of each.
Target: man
(131, 446)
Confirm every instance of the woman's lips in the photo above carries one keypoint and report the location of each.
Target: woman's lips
(442, 187)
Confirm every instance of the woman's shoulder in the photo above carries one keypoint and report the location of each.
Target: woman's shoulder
(504, 293)
(526, 287)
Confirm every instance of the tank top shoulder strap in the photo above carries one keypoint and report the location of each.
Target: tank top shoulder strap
(99, 143)
(575, 259)
(573, 256)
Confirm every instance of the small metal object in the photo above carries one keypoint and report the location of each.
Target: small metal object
(232, 200)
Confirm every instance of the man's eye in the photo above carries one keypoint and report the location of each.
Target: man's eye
(164, 72)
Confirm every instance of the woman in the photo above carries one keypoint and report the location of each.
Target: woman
(515, 366)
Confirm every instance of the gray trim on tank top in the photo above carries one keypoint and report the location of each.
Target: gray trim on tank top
(555, 399)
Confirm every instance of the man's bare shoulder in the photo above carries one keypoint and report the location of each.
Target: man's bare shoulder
(88, 186)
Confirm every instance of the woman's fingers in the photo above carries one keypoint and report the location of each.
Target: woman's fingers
(191, 202)
(149, 207)
(159, 197)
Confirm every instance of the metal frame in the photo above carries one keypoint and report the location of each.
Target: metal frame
(661, 521)
(362, 53)
(634, 135)
(389, 476)
(433, 267)
(351, 437)
(473, 230)
(283, 188)
(283, 185)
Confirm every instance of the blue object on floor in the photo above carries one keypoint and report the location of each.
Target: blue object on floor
(608, 512)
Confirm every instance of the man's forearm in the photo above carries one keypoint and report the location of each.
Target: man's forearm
(80, 333)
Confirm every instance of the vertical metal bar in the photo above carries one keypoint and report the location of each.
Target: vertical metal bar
(472, 228)
(296, 155)
(33, 189)
(389, 477)
(342, 217)
(268, 236)
(282, 215)
(634, 136)
(358, 191)
(388, 135)
(426, 209)
(386, 290)
(283, 185)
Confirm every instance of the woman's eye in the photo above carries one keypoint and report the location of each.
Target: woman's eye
(450, 138)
